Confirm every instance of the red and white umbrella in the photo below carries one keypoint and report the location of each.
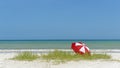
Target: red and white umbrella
(80, 48)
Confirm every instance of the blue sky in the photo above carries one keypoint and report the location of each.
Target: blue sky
(59, 19)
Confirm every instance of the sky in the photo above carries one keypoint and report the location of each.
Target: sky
(59, 19)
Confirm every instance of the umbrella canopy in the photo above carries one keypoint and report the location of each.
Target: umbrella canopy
(80, 48)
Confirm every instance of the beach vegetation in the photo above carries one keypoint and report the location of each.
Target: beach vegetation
(59, 56)
(26, 56)
(62, 56)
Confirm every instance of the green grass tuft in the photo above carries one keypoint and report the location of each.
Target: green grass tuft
(59, 56)
(26, 56)
(62, 56)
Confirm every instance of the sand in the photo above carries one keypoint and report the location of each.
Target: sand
(5, 62)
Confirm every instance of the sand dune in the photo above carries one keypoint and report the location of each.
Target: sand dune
(6, 63)
(72, 64)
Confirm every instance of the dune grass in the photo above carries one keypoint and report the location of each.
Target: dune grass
(62, 56)
(26, 56)
(59, 56)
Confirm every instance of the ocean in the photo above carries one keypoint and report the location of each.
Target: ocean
(57, 44)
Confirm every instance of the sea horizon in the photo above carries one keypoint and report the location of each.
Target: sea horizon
(59, 39)
(59, 44)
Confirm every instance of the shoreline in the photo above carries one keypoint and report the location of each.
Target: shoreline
(49, 50)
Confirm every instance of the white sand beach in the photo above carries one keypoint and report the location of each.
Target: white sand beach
(5, 62)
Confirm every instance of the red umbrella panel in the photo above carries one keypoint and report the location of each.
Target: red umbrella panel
(80, 48)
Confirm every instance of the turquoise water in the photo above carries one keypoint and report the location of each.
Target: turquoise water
(58, 44)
